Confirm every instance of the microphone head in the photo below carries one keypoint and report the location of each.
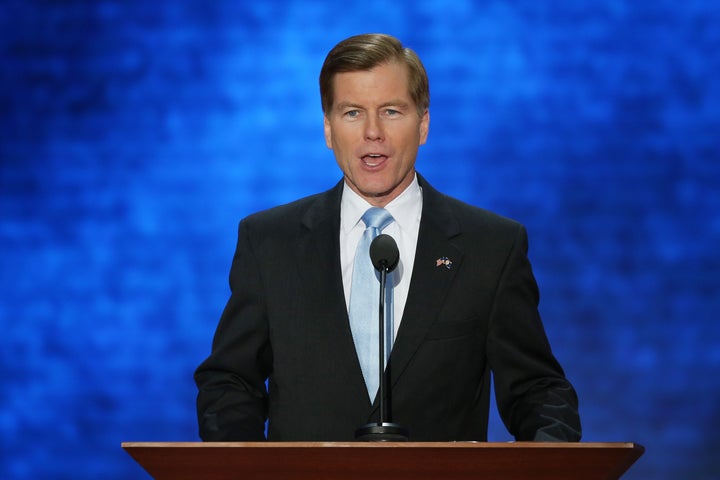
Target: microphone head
(384, 253)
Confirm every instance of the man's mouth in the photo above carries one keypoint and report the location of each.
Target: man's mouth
(373, 159)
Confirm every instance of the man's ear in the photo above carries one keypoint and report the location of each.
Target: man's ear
(328, 132)
(424, 127)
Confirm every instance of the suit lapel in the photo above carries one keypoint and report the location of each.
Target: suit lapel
(430, 281)
(319, 247)
(319, 267)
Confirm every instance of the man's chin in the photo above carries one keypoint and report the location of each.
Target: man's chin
(378, 194)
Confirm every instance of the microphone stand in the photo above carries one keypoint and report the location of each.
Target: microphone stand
(384, 430)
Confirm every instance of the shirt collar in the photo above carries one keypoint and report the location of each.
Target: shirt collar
(405, 209)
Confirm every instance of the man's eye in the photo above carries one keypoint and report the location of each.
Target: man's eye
(352, 113)
(391, 112)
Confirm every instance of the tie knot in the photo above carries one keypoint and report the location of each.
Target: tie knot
(375, 217)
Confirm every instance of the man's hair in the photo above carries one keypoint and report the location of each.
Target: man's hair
(364, 52)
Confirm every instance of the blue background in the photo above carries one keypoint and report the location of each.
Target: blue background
(134, 135)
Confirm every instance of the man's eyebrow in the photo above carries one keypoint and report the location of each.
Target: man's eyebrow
(344, 105)
(395, 103)
(392, 103)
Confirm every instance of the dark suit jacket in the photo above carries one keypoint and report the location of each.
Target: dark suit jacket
(286, 320)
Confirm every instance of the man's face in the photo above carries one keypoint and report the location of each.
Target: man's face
(375, 131)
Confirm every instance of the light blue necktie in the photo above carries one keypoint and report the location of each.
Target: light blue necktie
(364, 301)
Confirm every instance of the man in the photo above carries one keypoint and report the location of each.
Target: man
(465, 299)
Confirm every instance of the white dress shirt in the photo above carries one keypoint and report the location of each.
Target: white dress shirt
(406, 210)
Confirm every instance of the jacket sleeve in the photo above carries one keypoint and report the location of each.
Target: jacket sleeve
(535, 400)
(232, 395)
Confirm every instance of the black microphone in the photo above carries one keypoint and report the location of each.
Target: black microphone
(385, 256)
(384, 253)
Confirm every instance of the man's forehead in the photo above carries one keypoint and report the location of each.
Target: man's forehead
(390, 69)
(382, 84)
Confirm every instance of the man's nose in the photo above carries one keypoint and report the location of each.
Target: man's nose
(373, 128)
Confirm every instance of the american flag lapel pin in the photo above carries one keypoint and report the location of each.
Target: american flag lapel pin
(444, 261)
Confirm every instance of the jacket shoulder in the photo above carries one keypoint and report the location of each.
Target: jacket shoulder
(476, 220)
(285, 222)
(453, 215)
(281, 213)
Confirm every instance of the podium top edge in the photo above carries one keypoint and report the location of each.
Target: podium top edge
(569, 445)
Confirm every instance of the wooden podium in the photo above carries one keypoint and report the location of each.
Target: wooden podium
(397, 461)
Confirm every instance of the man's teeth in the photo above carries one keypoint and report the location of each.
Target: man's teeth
(372, 156)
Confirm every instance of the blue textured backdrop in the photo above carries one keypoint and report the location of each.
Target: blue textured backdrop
(134, 135)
